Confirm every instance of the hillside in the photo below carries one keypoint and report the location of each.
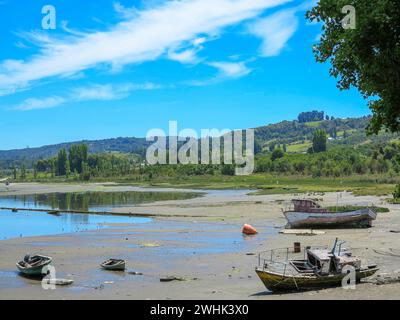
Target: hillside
(29, 155)
(295, 135)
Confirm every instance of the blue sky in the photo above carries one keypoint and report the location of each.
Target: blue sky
(121, 68)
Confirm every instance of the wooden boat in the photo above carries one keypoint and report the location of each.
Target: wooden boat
(114, 265)
(308, 214)
(34, 265)
(321, 268)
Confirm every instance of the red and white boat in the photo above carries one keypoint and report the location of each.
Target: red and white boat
(309, 214)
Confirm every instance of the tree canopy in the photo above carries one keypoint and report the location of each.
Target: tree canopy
(311, 116)
(319, 141)
(367, 56)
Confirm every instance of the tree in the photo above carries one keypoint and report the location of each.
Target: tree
(319, 141)
(396, 192)
(271, 147)
(78, 154)
(228, 170)
(23, 172)
(277, 154)
(311, 116)
(257, 147)
(62, 162)
(85, 174)
(367, 56)
(14, 170)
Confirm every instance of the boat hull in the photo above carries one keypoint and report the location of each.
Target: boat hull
(359, 218)
(35, 271)
(114, 265)
(276, 282)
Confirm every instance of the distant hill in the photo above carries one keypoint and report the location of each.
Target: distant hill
(29, 155)
(295, 135)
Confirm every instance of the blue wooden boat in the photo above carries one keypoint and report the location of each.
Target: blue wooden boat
(34, 265)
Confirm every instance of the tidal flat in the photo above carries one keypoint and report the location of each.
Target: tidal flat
(202, 245)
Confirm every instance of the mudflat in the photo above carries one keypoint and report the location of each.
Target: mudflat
(202, 246)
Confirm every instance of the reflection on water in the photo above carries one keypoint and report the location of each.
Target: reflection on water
(87, 201)
(22, 223)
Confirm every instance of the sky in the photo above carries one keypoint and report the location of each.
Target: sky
(110, 69)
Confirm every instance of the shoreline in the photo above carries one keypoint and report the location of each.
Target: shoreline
(183, 248)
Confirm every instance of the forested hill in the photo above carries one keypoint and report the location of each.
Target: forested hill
(27, 155)
(295, 135)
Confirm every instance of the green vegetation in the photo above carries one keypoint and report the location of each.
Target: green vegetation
(366, 56)
(312, 116)
(396, 193)
(344, 158)
(354, 208)
(319, 141)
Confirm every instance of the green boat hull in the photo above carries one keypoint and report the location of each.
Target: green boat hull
(276, 282)
(35, 271)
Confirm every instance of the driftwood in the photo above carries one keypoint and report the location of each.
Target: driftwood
(127, 214)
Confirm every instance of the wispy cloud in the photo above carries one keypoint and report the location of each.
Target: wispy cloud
(145, 36)
(94, 92)
(186, 56)
(275, 31)
(231, 69)
(35, 104)
(226, 70)
(109, 92)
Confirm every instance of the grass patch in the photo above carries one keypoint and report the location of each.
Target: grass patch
(270, 184)
(354, 208)
(313, 124)
(393, 201)
(298, 147)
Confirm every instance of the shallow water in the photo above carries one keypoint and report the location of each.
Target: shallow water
(26, 224)
(30, 223)
(91, 201)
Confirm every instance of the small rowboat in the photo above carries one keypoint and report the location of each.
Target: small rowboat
(114, 265)
(34, 265)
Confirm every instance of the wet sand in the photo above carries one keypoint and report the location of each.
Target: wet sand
(209, 253)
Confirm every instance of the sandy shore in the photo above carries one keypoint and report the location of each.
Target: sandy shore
(209, 253)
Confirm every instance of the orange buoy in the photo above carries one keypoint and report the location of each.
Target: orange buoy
(248, 229)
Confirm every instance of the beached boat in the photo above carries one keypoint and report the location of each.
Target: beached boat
(284, 270)
(114, 265)
(309, 214)
(34, 265)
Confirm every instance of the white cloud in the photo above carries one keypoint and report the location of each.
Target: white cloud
(186, 56)
(123, 12)
(148, 35)
(94, 92)
(275, 31)
(34, 104)
(231, 69)
(226, 70)
(108, 91)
